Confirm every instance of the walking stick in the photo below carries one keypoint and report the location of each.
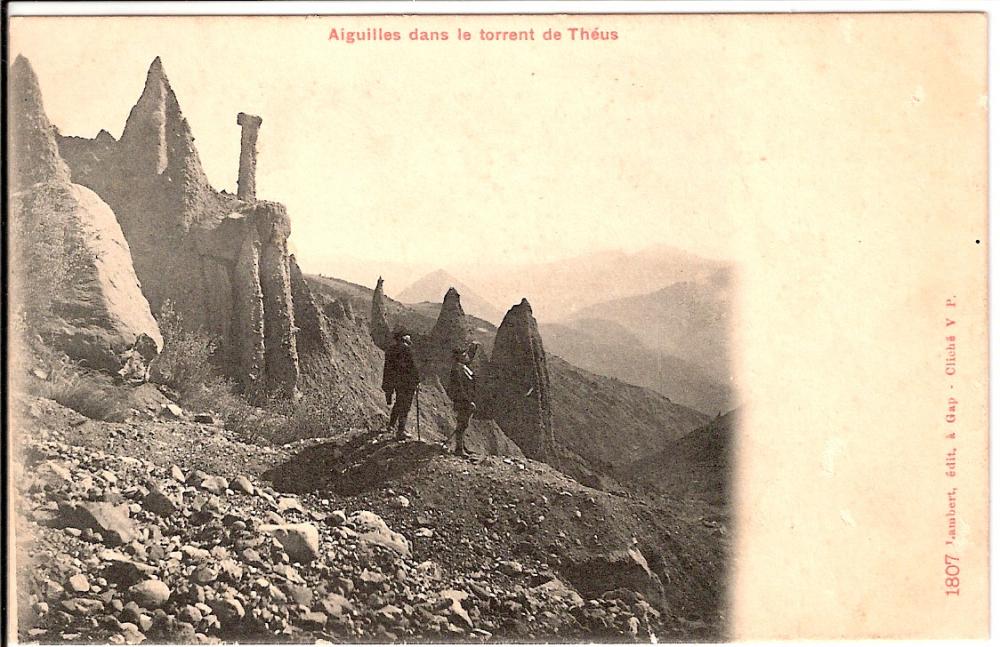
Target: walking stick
(418, 413)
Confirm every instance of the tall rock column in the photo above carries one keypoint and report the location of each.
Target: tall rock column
(518, 384)
(246, 183)
(379, 324)
(248, 313)
(34, 155)
(281, 359)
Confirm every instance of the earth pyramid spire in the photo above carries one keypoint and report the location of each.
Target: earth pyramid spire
(379, 326)
(519, 387)
(450, 332)
(34, 155)
(220, 262)
(76, 283)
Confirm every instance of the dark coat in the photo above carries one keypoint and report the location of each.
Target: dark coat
(462, 385)
(400, 370)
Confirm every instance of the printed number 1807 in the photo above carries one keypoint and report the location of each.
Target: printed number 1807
(951, 571)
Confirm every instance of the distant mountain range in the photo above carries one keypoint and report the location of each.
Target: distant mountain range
(563, 289)
(689, 320)
(673, 339)
(557, 289)
(608, 348)
(432, 287)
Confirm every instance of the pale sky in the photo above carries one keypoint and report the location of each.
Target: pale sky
(442, 154)
(432, 153)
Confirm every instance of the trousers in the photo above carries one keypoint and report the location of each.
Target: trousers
(401, 408)
(463, 414)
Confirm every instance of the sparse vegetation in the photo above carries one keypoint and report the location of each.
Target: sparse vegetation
(257, 414)
(185, 364)
(326, 406)
(69, 387)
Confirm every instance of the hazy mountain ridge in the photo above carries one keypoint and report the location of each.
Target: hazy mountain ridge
(689, 319)
(564, 288)
(431, 287)
(625, 357)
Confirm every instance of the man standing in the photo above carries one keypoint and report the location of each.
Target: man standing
(462, 391)
(400, 377)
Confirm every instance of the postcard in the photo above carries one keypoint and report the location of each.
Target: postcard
(497, 327)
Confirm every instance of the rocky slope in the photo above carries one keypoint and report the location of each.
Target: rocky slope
(356, 538)
(698, 464)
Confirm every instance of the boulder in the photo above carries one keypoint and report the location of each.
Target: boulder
(78, 584)
(149, 594)
(313, 620)
(242, 484)
(136, 360)
(336, 518)
(125, 572)
(288, 503)
(300, 540)
(159, 503)
(214, 484)
(130, 633)
(558, 589)
(336, 605)
(111, 521)
(452, 603)
(372, 529)
(227, 608)
(171, 411)
(617, 569)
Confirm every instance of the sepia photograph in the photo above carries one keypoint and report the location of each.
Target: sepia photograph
(547, 328)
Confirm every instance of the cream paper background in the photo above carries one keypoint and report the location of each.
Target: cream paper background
(840, 160)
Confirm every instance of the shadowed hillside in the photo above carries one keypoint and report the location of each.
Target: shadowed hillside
(610, 349)
(585, 406)
(699, 464)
